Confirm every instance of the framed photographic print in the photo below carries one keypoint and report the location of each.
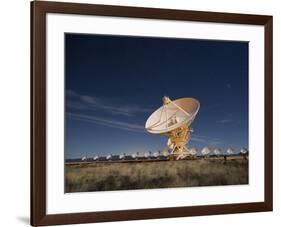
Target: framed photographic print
(140, 113)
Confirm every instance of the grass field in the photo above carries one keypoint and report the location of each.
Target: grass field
(84, 177)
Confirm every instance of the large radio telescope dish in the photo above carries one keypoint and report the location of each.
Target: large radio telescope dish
(173, 119)
(172, 115)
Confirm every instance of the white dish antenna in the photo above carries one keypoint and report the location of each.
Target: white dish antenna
(155, 154)
(206, 151)
(165, 152)
(84, 158)
(230, 151)
(172, 115)
(108, 157)
(193, 151)
(121, 156)
(217, 151)
(173, 119)
(96, 157)
(243, 151)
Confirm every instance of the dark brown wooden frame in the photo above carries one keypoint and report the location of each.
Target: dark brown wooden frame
(38, 112)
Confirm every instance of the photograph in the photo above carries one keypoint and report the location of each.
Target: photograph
(154, 112)
(148, 112)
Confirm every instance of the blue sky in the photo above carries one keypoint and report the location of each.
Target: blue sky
(113, 84)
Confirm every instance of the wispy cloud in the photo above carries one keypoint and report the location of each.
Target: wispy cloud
(196, 139)
(107, 122)
(205, 140)
(224, 121)
(132, 127)
(79, 101)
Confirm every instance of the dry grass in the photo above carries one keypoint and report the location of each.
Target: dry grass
(146, 175)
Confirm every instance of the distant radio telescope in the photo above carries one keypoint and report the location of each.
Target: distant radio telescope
(217, 152)
(108, 157)
(173, 120)
(206, 151)
(165, 153)
(243, 151)
(155, 154)
(230, 151)
(122, 156)
(193, 151)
